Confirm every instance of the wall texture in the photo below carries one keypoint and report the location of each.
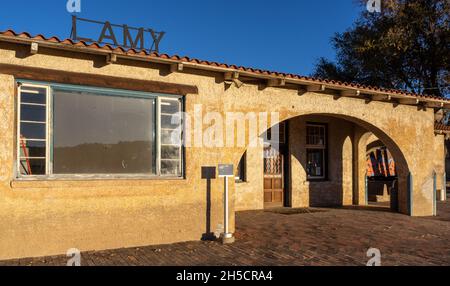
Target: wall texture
(250, 194)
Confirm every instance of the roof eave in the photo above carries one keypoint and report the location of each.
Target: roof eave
(343, 91)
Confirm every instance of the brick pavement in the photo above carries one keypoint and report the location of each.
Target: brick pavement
(329, 237)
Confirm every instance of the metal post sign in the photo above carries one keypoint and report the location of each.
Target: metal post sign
(119, 35)
(226, 171)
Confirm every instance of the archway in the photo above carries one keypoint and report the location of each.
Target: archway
(382, 180)
(340, 180)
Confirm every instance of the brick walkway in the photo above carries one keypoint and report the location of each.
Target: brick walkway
(330, 237)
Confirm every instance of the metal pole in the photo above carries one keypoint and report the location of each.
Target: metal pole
(226, 207)
(410, 194)
(444, 187)
(227, 237)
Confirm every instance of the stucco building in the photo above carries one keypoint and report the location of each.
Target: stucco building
(92, 156)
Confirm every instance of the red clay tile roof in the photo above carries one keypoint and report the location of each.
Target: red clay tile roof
(120, 50)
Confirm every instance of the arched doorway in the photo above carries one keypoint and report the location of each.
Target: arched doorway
(320, 160)
(382, 179)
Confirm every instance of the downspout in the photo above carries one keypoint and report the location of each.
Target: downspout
(434, 193)
(366, 186)
(444, 187)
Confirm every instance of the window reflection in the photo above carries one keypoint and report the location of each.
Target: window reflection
(99, 134)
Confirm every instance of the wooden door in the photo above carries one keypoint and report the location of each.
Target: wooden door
(273, 178)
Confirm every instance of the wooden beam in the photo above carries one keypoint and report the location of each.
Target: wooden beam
(422, 106)
(34, 48)
(238, 83)
(111, 59)
(409, 101)
(438, 105)
(58, 76)
(229, 76)
(351, 93)
(368, 98)
(381, 97)
(301, 91)
(233, 77)
(276, 82)
(316, 88)
(176, 67)
(337, 96)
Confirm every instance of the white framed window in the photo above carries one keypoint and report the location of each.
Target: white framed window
(32, 130)
(170, 147)
(67, 131)
(316, 151)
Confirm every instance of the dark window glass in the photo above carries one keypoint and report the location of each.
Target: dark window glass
(33, 95)
(32, 113)
(32, 167)
(170, 107)
(315, 163)
(315, 135)
(170, 152)
(99, 134)
(32, 149)
(33, 131)
(316, 150)
(170, 167)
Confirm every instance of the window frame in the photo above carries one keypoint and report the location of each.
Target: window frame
(18, 129)
(50, 87)
(323, 148)
(159, 136)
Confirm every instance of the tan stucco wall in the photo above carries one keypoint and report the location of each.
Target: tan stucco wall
(439, 160)
(49, 217)
(337, 189)
(250, 194)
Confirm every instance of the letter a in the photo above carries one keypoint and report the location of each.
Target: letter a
(111, 35)
(374, 6)
(73, 6)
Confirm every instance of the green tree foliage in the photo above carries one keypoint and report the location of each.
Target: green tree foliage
(406, 46)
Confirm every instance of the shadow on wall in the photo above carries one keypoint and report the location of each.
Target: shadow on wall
(380, 190)
(330, 191)
(327, 192)
(208, 174)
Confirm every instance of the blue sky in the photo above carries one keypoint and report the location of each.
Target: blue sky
(278, 35)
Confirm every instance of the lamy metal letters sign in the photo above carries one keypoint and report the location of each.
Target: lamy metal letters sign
(109, 35)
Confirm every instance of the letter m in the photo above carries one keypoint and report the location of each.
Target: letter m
(128, 38)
